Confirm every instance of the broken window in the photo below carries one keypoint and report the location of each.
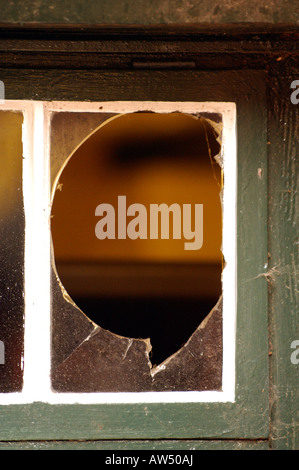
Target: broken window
(12, 237)
(137, 264)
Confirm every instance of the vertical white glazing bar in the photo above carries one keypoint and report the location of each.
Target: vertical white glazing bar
(37, 269)
(229, 247)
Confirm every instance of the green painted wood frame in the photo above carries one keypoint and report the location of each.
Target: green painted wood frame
(248, 417)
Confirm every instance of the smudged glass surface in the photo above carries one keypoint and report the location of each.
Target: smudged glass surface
(69, 326)
(12, 235)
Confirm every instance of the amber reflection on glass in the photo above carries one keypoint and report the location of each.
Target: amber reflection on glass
(11, 252)
(141, 288)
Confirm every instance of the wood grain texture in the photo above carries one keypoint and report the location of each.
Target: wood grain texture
(153, 12)
(83, 47)
(283, 260)
(136, 445)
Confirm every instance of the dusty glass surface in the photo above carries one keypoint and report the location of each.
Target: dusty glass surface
(11, 252)
(152, 307)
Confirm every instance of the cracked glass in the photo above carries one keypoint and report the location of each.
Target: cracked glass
(12, 233)
(136, 227)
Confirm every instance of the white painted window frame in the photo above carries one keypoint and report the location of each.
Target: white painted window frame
(37, 206)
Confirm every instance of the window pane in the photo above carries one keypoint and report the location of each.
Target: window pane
(69, 326)
(148, 299)
(11, 252)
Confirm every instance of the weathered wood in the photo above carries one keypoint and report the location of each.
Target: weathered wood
(135, 445)
(86, 47)
(283, 267)
(100, 31)
(145, 13)
(269, 46)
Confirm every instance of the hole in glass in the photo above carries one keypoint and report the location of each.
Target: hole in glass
(144, 287)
